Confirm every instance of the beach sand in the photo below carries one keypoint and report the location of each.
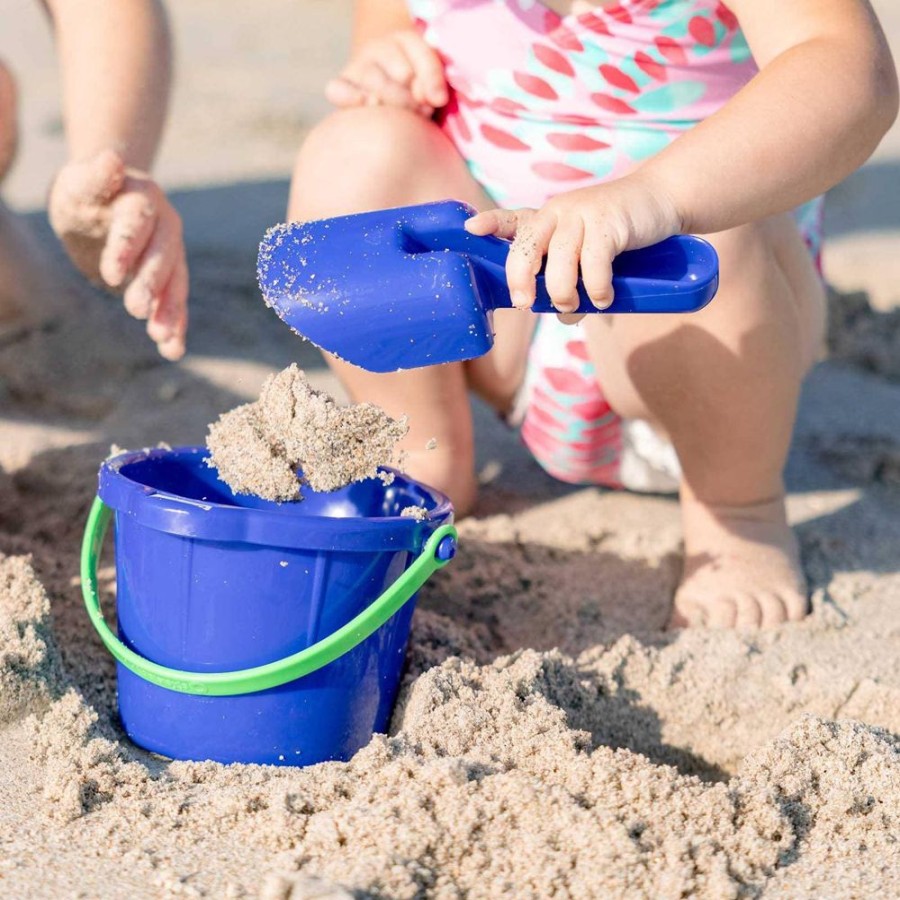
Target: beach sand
(551, 739)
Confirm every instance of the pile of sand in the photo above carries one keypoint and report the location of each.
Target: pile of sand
(259, 447)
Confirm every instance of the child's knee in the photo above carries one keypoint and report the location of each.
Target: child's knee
(369, 141)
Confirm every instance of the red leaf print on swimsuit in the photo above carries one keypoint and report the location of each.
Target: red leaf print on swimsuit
(590, 410)
(553, 59)
(557, 171)
(567, 382)
(671, 50)
(727, 17)
(613, 104)
(649, 66)
(619, 13)
(617, 78)
(531, 84)
(578, 349)
(576, 143)
(592, 22)
(702, 31)
(545, 418)
(573, 119)
(506, 106)
(565, 39)
(502, 139)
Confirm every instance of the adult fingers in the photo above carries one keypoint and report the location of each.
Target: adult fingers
(526, 254)
(561, 271)
(131, 226)
(429, 83)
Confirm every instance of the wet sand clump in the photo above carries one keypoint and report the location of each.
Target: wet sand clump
(259, 448)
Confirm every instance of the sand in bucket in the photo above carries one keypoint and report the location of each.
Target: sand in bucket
(257, 448)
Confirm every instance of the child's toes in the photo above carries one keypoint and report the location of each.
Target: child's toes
(748, 612)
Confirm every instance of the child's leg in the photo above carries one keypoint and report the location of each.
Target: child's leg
(10, 301)
(376, 157)
(8, 128)
(723, 384)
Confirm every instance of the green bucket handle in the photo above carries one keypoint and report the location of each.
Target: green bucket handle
(438, 551)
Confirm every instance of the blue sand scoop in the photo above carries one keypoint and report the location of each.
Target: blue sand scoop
(409, 287)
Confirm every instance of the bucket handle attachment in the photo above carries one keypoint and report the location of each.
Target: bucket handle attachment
(438, 551)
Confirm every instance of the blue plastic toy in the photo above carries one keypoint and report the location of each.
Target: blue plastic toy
(251, 631)
(409, 287)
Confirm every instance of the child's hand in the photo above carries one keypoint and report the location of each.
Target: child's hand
(400, 69)
(585, 228)
(118, 228)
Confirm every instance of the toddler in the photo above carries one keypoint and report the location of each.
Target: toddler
(584, 129)
(115, 223)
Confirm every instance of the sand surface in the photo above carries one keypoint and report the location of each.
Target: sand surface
(551, 739)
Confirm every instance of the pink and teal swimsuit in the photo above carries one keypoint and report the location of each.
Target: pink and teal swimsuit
(543, 103)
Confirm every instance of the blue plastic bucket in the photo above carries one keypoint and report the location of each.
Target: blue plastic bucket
(255, 632)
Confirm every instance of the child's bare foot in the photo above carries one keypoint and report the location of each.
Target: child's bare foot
(742, 567)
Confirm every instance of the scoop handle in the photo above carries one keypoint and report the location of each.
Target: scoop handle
(679, 274)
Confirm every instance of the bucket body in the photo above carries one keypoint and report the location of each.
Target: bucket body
(208, 581)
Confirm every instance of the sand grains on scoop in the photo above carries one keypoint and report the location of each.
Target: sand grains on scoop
(259, 447)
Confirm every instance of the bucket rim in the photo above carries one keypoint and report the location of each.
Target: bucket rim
(275, 525)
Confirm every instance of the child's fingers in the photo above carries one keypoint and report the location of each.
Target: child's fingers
(597, 253)
(561, 271)
(429, 83)
(155, 268)
(526, 253)
(131, 226)
(376, 82)
(393, 59)
(168, 321)
(343, 93)
(499, 222)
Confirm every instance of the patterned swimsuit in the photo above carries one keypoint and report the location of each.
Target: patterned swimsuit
(543, 103)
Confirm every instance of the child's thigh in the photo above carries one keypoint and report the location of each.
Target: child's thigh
(375, 156)
(767, 318)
